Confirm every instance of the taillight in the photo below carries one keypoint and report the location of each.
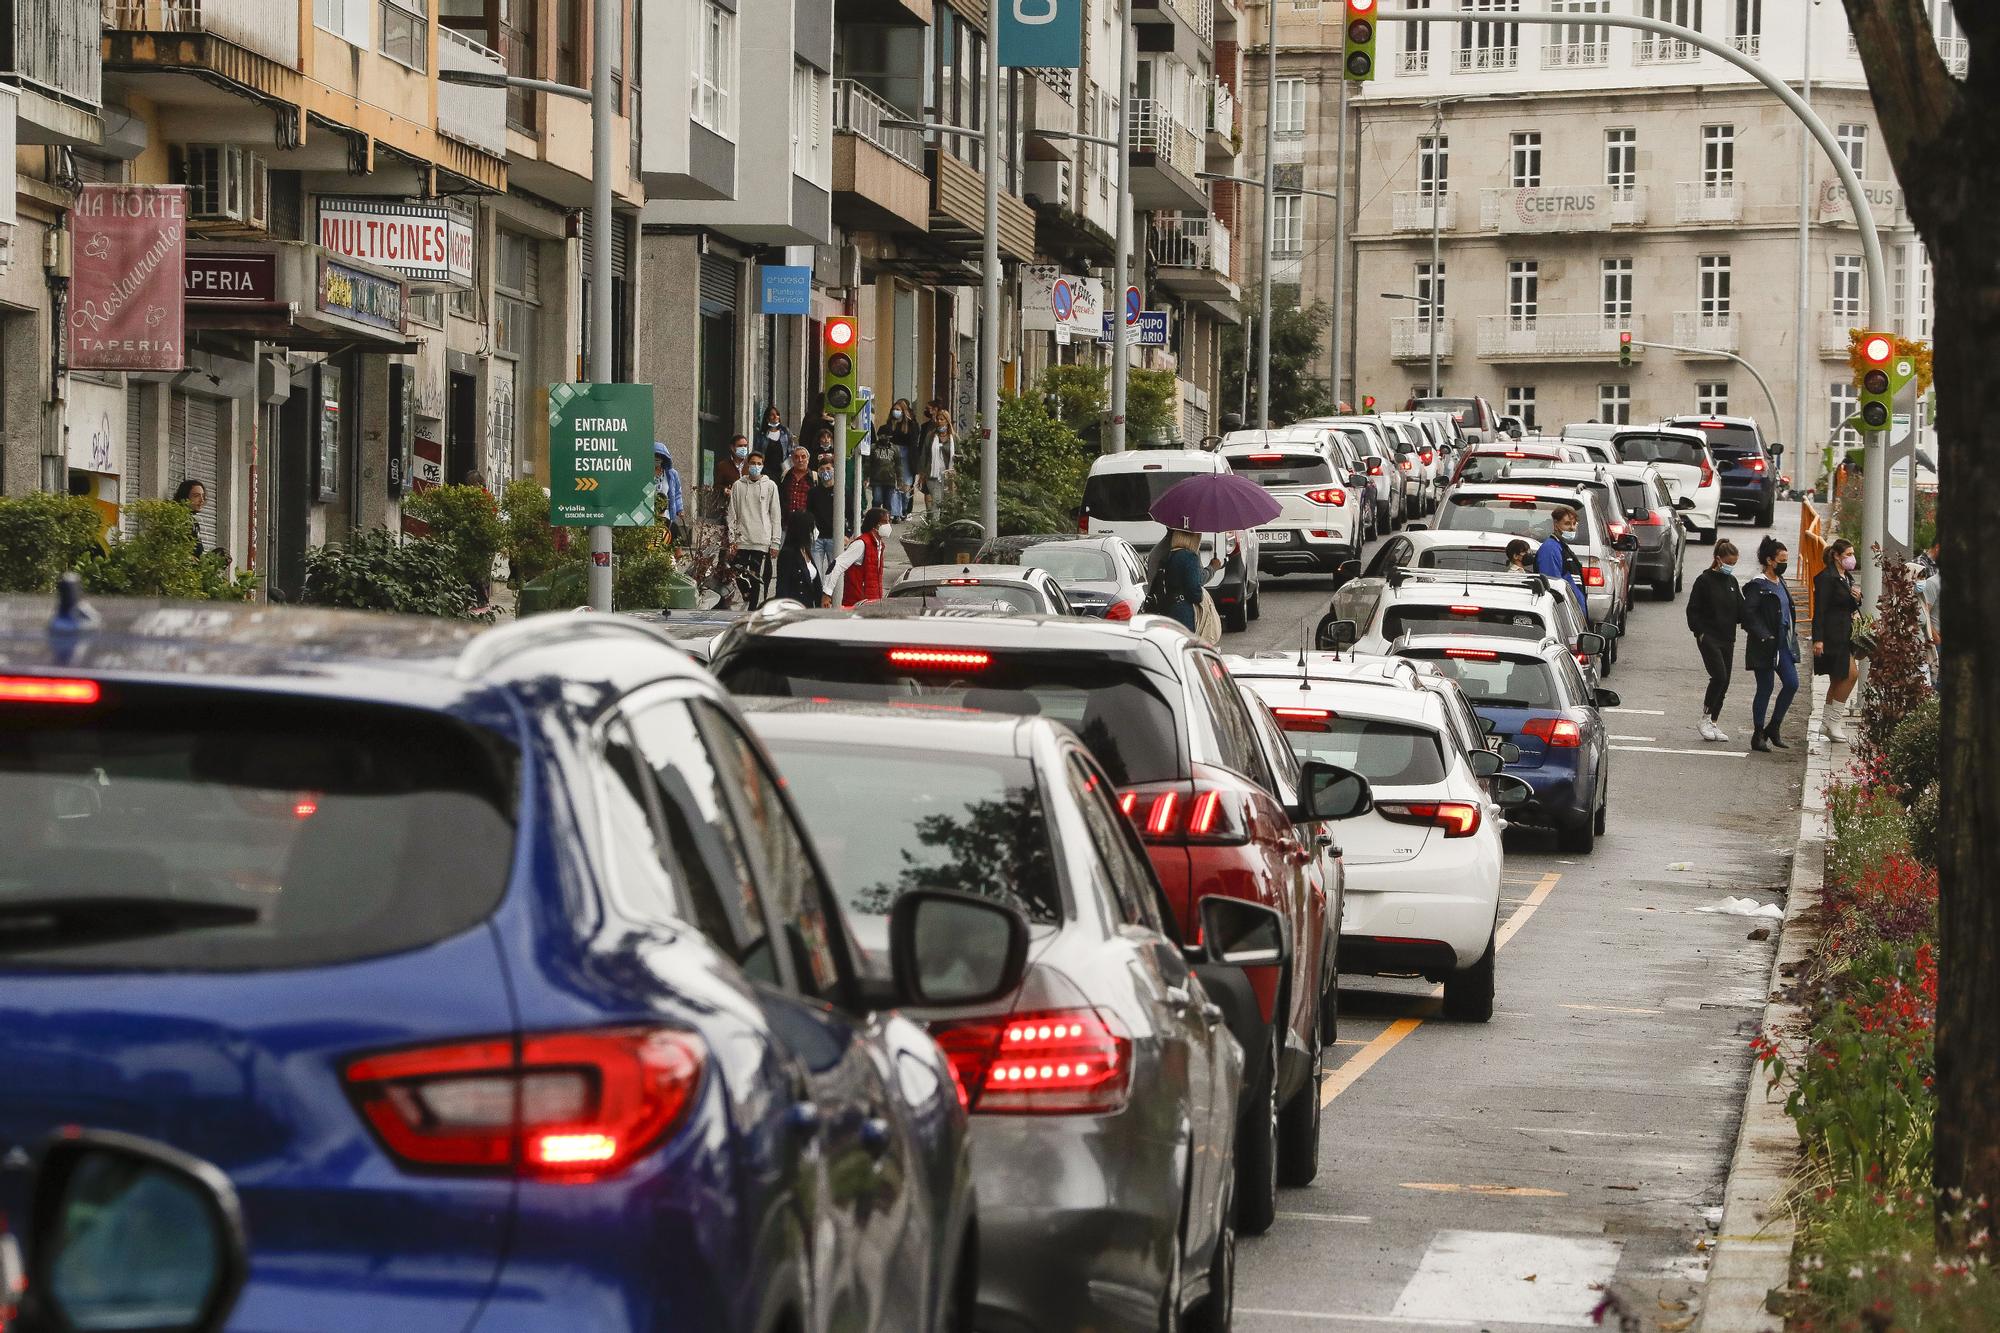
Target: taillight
(48, 690)
(1458, 819)
(1593, 577)
(1118, 610)
(1473, 654)
(1754, 464)
(1374, 467)
(1055, 1062)
(565, 1106)
(1649, 518)
(1464, 609)
(1707, 473)
(1083, 524)
(940, 659)
(1617, 529)
(1328, 495)
(1426, 455)
(1304, 719)
(1558, 732)
(1404, 462)
(1174, 815)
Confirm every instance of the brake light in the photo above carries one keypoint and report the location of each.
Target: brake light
(1120, 610)
(1648, 518)
(1161, 821)
(1172, 815)
(1426, 455)
(1083, 523)
(1530, 498)
(1712, 425)
(1403, 462)
(1754, 464)
(1513, 453)
(961, 583)
(1707, 473)
(1374, 467)
(566, 1106)
(1557, 732)
(940, 659)
(1203, 817)
(48, 690)
(1473, 654)
(1458, 819)
(1303, 719)
(1053, 1062)
(1463, 610)
(1266, 458)
(305, 807)
(1617, 528)
(1328, 495)
(1593, 577)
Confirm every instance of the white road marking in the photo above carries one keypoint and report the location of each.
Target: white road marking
(1354, 1219)
(1608, 1009)
(1589, 1133)
(1328, 1317)
(1486, 1274)
(1648, 712)
(1660, 749)
(1635, 738)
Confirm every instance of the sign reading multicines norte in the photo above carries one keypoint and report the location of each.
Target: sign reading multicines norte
(601, 454)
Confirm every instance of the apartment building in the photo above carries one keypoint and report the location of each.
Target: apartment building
(1577, 180)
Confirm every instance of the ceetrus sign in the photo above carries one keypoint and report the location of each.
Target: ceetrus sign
(601, 454)
(422, 242)
(1554, 209)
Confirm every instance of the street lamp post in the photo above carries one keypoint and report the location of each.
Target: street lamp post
(1270, 220)
(1431, 311)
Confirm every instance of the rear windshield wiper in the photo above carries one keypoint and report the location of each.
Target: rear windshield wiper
(27, 924)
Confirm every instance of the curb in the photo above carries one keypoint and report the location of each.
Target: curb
(1752, 1251)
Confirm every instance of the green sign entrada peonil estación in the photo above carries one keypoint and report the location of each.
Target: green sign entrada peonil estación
(601, 454)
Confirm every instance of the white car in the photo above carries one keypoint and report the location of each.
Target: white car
(1370, 614)
(1013, 589)
(1430, 462)
(1683, 459)
(1321, 522)
(1118, 501)
(1423, 866)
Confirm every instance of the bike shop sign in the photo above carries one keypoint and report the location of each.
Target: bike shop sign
(601, 455)
(422, 242)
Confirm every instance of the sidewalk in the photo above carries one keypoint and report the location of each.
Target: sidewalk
(1753, 1248)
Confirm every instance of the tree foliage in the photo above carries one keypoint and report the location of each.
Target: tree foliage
(158, 560)
(1296, 392)
(467, 522)
(41, 536)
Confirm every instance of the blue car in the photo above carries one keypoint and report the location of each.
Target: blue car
(492, 967)
(1749, 466)
(1535, 695)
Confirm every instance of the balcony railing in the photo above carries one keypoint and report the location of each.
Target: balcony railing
(1221, 109)
(1564, 335)
(1575, 55)
(1710, 332)
(1628, 205)
(860, 111)
(1834, 328)
(1290, 149)
(1171, 143)
(1707, 201)
(467, 113)
(1955, 50)
(1749, 43)
(1412, 210)
(1654, 50)
(52, 44)
(1199, 243)
(1481, 59)
(1416, 62)
(1410, 338)
(269, 29)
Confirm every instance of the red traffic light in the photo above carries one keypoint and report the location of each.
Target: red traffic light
(1361, 7)
(841, 333)
(1624, 339)
(1876, 349)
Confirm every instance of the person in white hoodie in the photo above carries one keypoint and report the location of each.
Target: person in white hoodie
(755, 522)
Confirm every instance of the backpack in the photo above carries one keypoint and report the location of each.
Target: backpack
(1159, 601)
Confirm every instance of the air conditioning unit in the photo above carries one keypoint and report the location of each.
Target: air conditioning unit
(227, 184)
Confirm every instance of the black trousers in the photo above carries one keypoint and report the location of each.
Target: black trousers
(1715, 658)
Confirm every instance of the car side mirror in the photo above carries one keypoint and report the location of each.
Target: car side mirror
(1241, 933)
(1626, 542)
(1607, 699)
(1591, 644)
(1485, 763)
(1328, 791)
(1334, 634)
(954, 948)
(1509, 791)
(1416, 527)
(1349, 569)
(127, 1233)
(1508, 751)
(1685, 502)
(1610, 629)
(1776, 451)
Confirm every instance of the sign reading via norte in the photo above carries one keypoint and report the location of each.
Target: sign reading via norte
(601, 455)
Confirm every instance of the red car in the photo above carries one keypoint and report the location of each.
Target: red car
(1162, 716)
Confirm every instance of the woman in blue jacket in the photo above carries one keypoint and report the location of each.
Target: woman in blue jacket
(1772, 652)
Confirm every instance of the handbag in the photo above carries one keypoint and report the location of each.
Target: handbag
(1207, 620)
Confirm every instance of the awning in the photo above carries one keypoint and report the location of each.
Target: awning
(295, 294)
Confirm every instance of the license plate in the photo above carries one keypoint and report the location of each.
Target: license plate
(1279, 535)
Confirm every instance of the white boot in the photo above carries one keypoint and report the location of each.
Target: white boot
(1831, 725)
(1715, 731)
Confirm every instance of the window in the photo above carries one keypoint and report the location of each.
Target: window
(1843, 401)
(1232, 741)
(1847, 287)
(1521, 404)
(406, 37)
(426, 306)
(1131, 879)
(1433, 164)
(1747, 26)
(1718, 159)
(1288, 223)
(809, 93)
(1416, 41)
(1524, 290)
(345, 19)
(1713, 291)
(516, 291)
(712, 68)
(1614, 404)
(1615, 293)
(1291, 103)
(1526, 161)
(1489, 44)
(1621, 161)
(1430, 295)
(1711, 397)
(1853, 141)
(1572, 44)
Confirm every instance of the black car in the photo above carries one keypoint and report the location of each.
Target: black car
(1749, 467)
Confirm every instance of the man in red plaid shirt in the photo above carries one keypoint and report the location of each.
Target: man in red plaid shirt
(795, 487)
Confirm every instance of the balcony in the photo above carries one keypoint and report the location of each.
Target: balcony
(1185, 28)
(1221, 122)
(1749, 43)
(1410, 338)
(1418, 210)
(1650, 49)
(471, 115)
(1955, 50)
(48, 52)
(1707, 201)
(1559, 208)
(1485, 59)
(1414, 62)
(1049, 104)
(1576, 55)
(270, 30)
(1165, 157)
(878, 172)
(958, 210)
(1834, 328)
(1567, 337)
(1705, 332)
(1628, 205)
(1193, 257)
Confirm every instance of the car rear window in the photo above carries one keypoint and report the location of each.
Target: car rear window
(1658, 449)
(1465, 411)
(165, 827)
(1632, 498)
(1113, 707)
(1496, 681)
(1493, 466)
(1002, 595)
(1493, 558)
(1300, 468)
(1388, 754)
(1726, 439)
(1127, 497)
(1516, 514)
(1071, 564)
(1453, 618)
(903, 820)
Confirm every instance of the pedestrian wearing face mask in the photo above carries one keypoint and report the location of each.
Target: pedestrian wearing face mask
(820, 505)
(943, 460)
(728, 469)
(902, 432)
(755, 523)
(858, 573)
(774, 441)
(1714, 610)
(1772, 653)
(1835, 600)
(1552, 557)
(798, 572)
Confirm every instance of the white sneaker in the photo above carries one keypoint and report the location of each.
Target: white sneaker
(1707, 729)
(1716, 733)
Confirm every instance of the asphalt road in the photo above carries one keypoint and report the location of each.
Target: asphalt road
(1517, 1173)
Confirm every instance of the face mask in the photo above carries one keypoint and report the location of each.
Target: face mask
(742, 451)
(1847, 562)
(882, 531)
(1780, 568)
(895, 414)
(826, 474)
(1729, 568)
(756, 469)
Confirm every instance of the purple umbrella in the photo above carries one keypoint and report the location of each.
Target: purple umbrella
(1215, 502)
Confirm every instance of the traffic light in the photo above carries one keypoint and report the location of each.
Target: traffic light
(1359, 57)
(842, 333)
(1878, 385)
(1368, 402)
(1624, 347)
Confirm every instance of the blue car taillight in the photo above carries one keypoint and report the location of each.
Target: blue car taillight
(562, 1106)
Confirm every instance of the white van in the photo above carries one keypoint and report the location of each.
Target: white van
(1118, 501)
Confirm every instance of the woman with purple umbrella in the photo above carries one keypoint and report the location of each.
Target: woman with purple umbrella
(1206, 502)
(1181, 582)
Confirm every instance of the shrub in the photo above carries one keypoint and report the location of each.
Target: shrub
(1021, 508)
(1040, 456)
(1924, 827)
(528, 538)
(1913, 749)
(41, 536)
(1150, 399)
(1869, 826)
(374, 571)
(1896, 683)
(466, 522)
(157, 559)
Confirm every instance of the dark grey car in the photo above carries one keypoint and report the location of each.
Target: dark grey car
(1103, 1093)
